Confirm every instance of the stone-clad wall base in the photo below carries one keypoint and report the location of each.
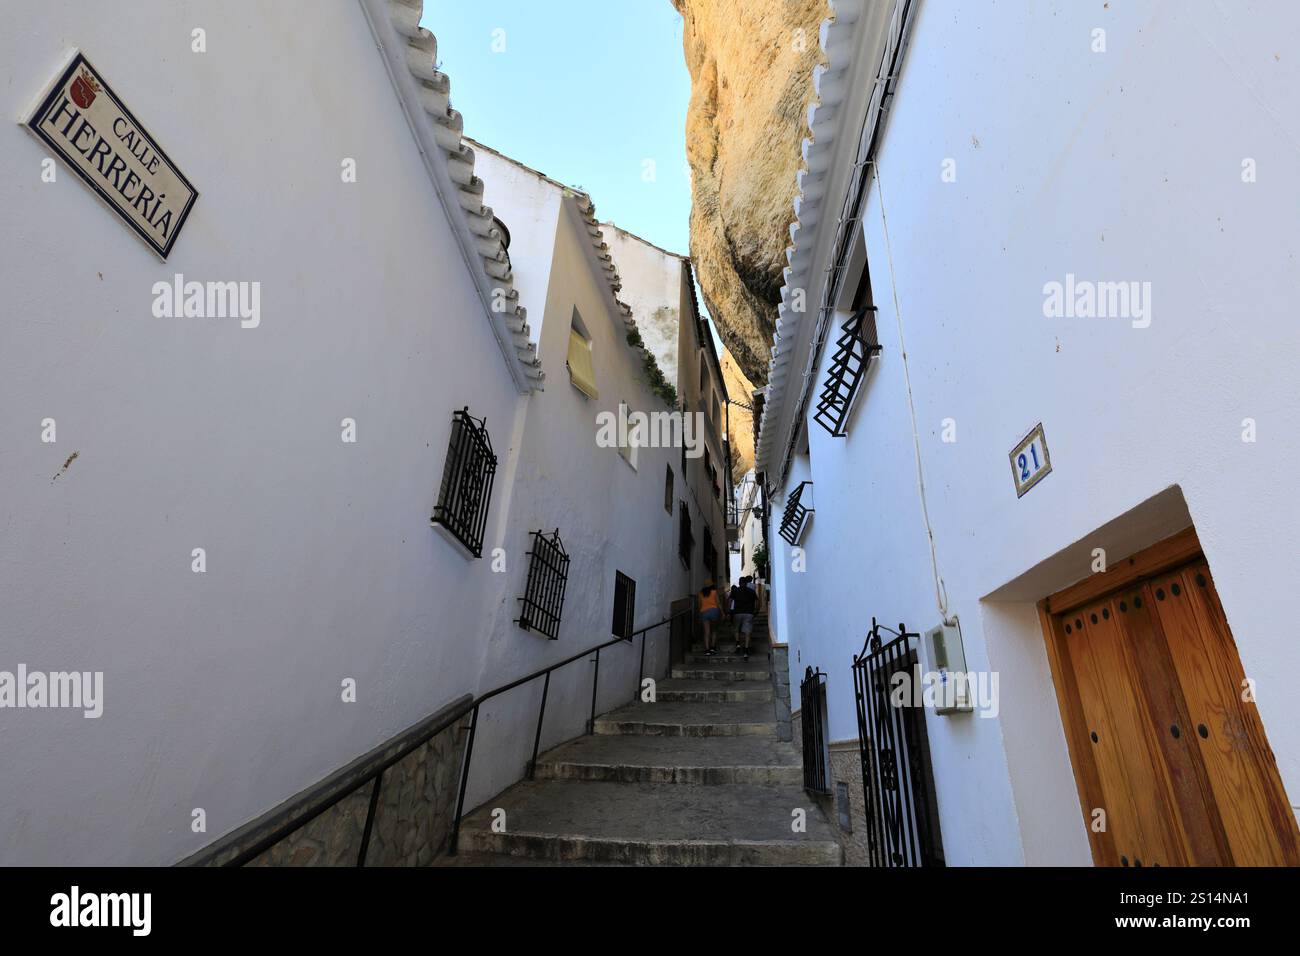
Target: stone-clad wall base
(846, 767)
(417, 803)
(412, 820)
(781, 681)
(332, 839)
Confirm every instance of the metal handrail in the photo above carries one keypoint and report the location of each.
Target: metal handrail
(376, 773)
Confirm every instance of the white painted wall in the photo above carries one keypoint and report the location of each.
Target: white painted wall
(531, 210)
(610, 514)
(749, 534)
(222, 690)
(652, 287)
(656, 284)
(1124, 165)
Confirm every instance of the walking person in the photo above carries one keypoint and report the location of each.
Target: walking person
(744, 604)
(710, 614)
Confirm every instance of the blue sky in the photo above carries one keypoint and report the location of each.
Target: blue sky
(585, 91)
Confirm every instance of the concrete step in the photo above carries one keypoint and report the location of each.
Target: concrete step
(702, 761)
(727, 657)
(690, 719)
(501, 859)
(712, 691)
(754, 670)
(729, 647)
(653, 824)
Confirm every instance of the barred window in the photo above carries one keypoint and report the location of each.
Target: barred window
(548, 574)
(685, 540)
(710, 552)
(798, 506)
(854, 348)
(466, 482)
(624, 605)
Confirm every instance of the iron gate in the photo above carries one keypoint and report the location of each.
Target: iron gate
(812, 708)
(897, 779)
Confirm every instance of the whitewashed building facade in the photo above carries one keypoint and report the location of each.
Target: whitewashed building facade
(1076, 218)
(224, 522)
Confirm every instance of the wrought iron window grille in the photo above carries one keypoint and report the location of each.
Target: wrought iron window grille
(466, 489)
(624, 605)
(548, 575)
(854, 348)
(710, 552)
(794, 521)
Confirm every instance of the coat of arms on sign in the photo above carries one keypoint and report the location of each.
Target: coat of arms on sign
(84, 89)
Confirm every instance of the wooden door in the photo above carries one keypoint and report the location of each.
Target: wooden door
(1164, 736)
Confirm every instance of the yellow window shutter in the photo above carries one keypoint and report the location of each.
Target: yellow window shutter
(580, 370)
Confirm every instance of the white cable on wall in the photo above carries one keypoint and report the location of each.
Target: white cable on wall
(940, 591)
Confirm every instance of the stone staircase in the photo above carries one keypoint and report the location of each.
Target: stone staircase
(699, 777)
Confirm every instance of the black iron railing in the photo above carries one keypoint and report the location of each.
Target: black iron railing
(812, 710)
(376, 775)
(854, 349)
(897, 779)
(796, 513)
(466, 489)
(548, 575)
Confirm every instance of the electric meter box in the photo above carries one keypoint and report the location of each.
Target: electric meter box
(947, 658)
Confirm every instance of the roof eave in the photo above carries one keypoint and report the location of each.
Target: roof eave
(410, 57)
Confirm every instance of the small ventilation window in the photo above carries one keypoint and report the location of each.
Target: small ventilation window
(843, 807)
(685, 540)
(668, 489)
(624, 605)
(627, 447)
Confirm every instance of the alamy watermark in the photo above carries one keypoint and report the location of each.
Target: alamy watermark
(179, 299)
(1085, 299)
(129, 910)
(946, 690)
(75, 690)
(624, 429)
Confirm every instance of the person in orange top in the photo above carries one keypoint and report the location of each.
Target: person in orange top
(710, 614)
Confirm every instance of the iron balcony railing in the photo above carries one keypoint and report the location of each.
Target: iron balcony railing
(466, 489)
(548, 575)
(854, 349)
(376, 775)
(812, 710)
(796, 513)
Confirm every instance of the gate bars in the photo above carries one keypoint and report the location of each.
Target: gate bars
(897, 780)
(812, 707)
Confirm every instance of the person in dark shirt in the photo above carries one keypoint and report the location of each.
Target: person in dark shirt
(744, 603)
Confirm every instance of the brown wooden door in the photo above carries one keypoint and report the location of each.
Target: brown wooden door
(1151, 690)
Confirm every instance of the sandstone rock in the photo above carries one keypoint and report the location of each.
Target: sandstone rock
(751, 83)
(741, 433)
